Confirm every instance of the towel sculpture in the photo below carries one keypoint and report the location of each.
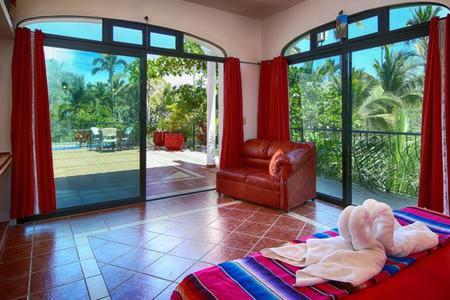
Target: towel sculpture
(367, 234)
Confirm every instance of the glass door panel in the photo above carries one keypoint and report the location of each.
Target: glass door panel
(387, 90)
(316, 115)
(180, 91)
(94, 111)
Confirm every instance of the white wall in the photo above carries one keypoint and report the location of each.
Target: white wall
(250, 91)
(239, 36)
(5, 119)
(280, 29)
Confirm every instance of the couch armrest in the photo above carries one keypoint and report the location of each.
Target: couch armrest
(298, 180)
(297, 159)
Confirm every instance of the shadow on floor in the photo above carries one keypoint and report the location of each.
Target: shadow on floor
(109, 186)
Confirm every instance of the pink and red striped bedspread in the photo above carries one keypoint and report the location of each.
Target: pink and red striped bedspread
(257, 277)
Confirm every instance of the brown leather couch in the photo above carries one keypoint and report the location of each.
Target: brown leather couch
(252, 181)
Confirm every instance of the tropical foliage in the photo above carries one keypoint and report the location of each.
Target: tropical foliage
(386, 114)
(110, 96)
(78, 105)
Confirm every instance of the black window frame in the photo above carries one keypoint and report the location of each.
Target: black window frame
(107, 45)
(383, 31)
(107, 37)
(345, 48)
(160, 30)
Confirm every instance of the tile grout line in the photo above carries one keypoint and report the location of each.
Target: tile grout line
(263, 235)
(109, 228)
(31, 265)
(86, 234)
(171, 194)
(230, 233)
(79, 258)
(303, 227)
(307, 220)
(215, 245)
(142, 222)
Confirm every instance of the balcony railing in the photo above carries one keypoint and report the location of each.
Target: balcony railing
(381, 160)
(67, 137)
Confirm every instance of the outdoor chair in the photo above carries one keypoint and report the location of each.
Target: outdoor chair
(108, 139)
(95, 137)
(127, 138)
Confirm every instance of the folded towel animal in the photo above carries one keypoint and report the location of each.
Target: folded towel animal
(367, 234)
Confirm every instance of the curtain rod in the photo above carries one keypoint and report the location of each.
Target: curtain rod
(249, 62)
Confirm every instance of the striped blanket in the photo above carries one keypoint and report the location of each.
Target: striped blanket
(257, 277)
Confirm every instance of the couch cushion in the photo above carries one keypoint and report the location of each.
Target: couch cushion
(237, 174)
(255, 148)
(256, 162)
(264, 180)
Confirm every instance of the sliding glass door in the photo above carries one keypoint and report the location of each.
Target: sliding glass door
(316, 115)
(95, 125)
(378, 147)
(387, 91)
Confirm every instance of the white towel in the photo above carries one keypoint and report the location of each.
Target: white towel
(367, 234)
(398, 241)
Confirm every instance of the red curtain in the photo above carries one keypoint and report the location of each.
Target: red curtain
(22, 181)
(434, 179)
(32, 169)
(43, 141)
(273, 109)
(233, 132)
(263, 100)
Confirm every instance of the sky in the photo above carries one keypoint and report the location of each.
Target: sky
(398, 19)
(80, 63)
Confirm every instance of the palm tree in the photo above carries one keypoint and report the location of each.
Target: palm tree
(391, 104)
(423, 14)
(396, 71)
(420, 15)
(108, 63)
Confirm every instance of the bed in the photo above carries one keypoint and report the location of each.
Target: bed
(257, 277)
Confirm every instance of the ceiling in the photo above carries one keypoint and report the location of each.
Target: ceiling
(257, 9)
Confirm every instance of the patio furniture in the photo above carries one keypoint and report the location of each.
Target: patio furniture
(108, 138)
(127, 138)
(253, 181)
(95, 137)
(173, 141)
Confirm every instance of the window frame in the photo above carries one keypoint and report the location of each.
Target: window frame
(108, 35)
(344, 49)
(383, 34)
(108, 42)
(206, 41)
(107, 45)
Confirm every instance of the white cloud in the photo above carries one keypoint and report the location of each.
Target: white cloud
(58, 54)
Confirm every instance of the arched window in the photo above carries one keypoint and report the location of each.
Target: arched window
(153, 39)
(195, 45)
(82, 28)
(113, 84)
(360, 100)
(376, 22)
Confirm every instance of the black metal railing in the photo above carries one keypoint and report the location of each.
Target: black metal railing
(194, 133)
(381, 160)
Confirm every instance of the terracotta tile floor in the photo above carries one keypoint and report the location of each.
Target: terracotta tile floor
(185, 177)
(142, 251)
